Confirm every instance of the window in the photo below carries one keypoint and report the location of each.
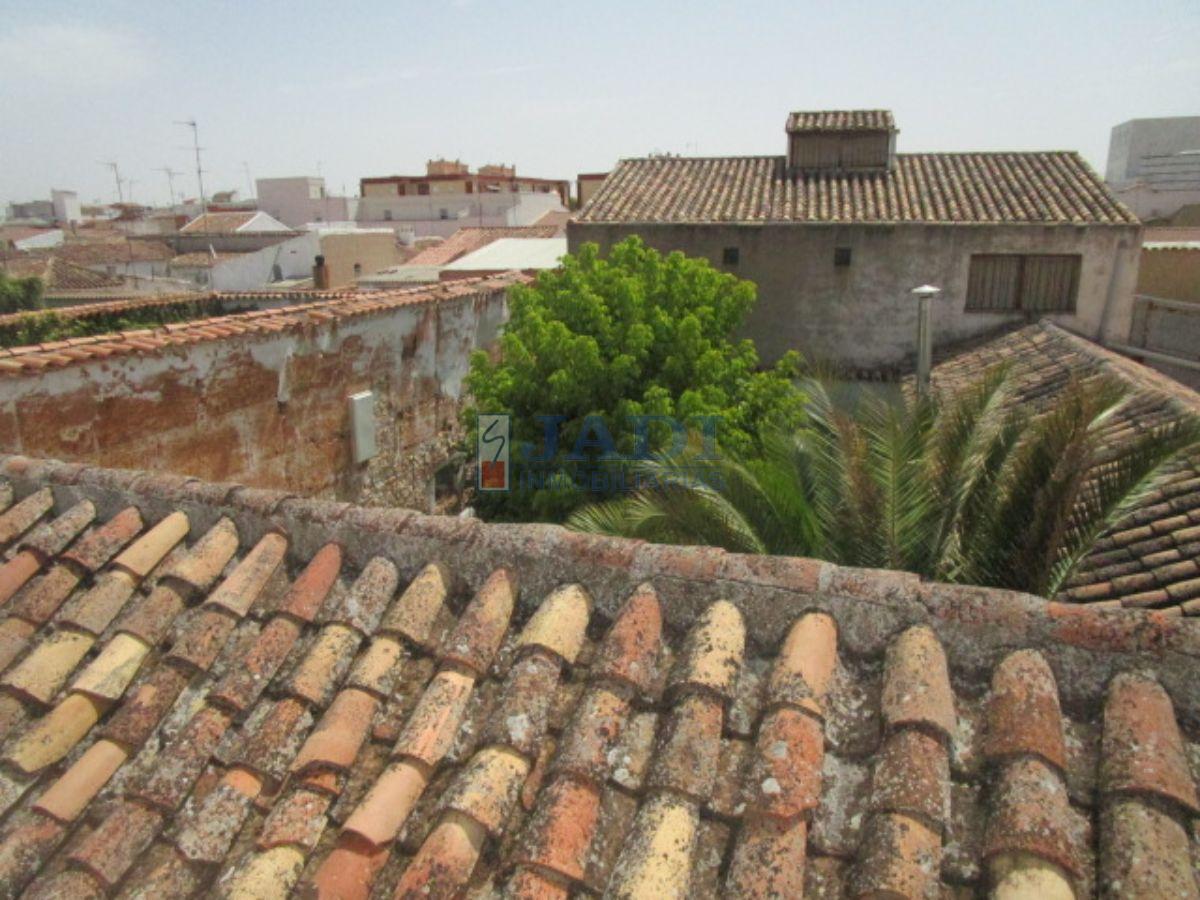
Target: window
(729, 256)
(387, 215)
(841, 256)
(357, 269)
(443, 213)
(1029, 283)
(423, 188)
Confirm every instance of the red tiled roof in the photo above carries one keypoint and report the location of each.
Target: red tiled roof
(317, 305)
(842, 120)
(221, 689)
(1153, 559)
(934, 188)
(467, 240)
(57, 274)
(102, 252)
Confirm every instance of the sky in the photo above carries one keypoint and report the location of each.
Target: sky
(354, 89)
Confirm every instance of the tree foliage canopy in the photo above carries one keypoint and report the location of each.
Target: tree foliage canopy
(19, 294)
(634, 334)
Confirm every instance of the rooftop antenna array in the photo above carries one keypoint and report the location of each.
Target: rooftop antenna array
(191, 123)
(117, 177)
(170, 173)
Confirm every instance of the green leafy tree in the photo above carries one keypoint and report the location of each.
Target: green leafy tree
(974, 489)
(634, 334)
(19, 294)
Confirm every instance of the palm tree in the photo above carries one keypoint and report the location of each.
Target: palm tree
(972, 488)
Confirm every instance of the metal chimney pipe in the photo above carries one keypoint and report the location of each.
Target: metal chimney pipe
(924, 294)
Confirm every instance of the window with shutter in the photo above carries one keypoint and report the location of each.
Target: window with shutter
(1036, 283)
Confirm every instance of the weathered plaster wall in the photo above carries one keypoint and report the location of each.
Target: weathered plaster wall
(862, 315)
(269, 409)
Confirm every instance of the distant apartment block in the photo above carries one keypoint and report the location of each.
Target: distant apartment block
(837, 231)
(1154, 165)
(450, 196)
(61, 209)
(303, 200)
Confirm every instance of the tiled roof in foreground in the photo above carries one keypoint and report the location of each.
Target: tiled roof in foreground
(1153, 559)
(209, 689)
(928, 188)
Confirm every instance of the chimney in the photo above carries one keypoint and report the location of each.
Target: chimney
(924, 294)
(320, 274)
(853, 140)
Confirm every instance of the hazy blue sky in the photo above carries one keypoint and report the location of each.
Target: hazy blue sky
(556, 87)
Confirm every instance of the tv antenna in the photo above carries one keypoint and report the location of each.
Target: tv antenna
(191, 123)
(170, 173)
(117, 177)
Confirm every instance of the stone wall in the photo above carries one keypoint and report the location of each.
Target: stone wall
(268, 407)
(862, 315)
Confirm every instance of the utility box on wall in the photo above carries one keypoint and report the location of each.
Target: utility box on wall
(362, 426)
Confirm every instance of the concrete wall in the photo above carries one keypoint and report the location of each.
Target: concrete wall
(369, 250)
(863, 315)
(269, 409)
(1170, 274)
(298, 201)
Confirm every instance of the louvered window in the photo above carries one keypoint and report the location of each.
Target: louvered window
(1028, 283)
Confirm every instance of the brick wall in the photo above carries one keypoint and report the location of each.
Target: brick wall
(268, 407)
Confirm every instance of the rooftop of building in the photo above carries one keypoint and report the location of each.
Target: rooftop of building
(215, 688)
(1153, 559)
(57, 274)
(510, 253)
(1039, 188)
(113, 248)
(841, 120)
(467, 240)
(242, 222)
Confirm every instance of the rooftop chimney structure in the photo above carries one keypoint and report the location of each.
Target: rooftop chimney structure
(856, 140)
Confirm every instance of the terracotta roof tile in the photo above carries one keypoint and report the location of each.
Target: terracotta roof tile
(712, 655)
(1023, 712)
(20, 518)
(656, 858)
(97, 547)
(1143, 751)
(842, 120)
(415, 614)
(1145, 852)
(630, 649)
(39, 600)
(481, 628)
(916, 688)
(921, 760)
(140, 558)
(558, 624)
(942, 188)
(94, 610)
(239, 591)
(340, 734)
(208, 557)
